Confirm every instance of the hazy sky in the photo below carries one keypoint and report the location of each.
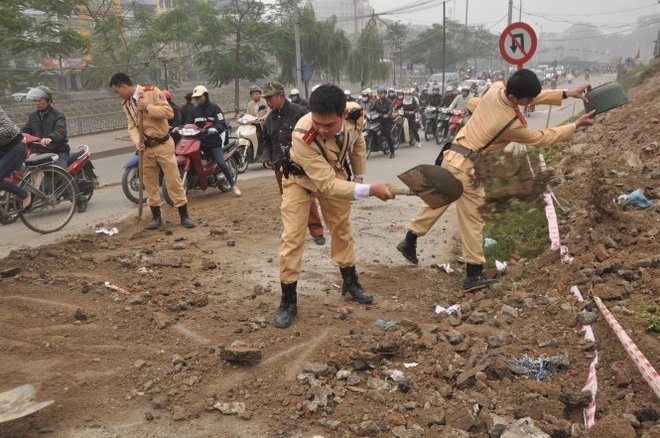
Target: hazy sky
(543, 15)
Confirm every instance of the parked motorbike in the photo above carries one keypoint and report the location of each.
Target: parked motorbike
(249, 149)
(130, 180)
(431, 121)
(79, 166)
(197, 167)
(443, 125)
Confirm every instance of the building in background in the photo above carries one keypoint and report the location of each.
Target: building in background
(352, 15)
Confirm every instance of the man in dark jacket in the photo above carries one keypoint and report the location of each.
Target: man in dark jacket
(383, 106)
(48, 123)
(278, 128)
(209, 117)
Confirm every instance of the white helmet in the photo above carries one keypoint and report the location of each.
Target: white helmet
(40, 92)
(199, 91)
(347, 93)
(294, 92)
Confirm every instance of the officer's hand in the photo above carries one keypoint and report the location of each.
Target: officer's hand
(578, 92)
(139, 147)
(382, 191)
(46, 141)
(142, 105)
(586, 119)
(212, 131)
(268, 164)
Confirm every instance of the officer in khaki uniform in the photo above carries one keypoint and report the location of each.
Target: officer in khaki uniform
(157, 147)
(496, 122)
(327, 144)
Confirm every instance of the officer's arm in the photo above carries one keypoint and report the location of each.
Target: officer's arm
(520, 133)
(549, 97)
(59, 131)
(319, 171)
(133, 130)
(157, 105)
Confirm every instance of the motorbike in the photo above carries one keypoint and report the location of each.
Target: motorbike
(79, 166)
(197, 167)
(397, 128)
(430, 121)
(373, 134)
(130, 180)
(249, 149)
(456, 122)
(405, 135)
(443, 125)
(528, 110)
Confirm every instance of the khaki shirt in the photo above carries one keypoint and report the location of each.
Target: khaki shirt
(492, 114)
(155, 118)
(328, 177)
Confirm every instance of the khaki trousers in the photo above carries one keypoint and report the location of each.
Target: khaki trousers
(159, 158)
(470, 221)
(295, 215)
(314, 223)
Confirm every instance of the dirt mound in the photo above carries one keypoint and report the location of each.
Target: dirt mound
(146, 360)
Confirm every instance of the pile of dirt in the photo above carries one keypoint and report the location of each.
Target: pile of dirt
(183, 345)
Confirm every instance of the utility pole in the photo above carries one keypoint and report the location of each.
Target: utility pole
(296, 31)
(506, 67)
(520, 12)
(355, 19)
(444, 45)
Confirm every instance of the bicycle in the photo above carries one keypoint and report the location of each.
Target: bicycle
(53, 195)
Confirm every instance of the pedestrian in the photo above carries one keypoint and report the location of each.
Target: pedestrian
(496, 122)
(13, 152)
(156, 146)
(209, 117)
(278, 128)
(327, 147)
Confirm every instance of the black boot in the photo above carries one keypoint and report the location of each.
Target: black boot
(157, 221)
(185, 220)
(288, 307)
(408, 247)
(474, 280)
(353, 287)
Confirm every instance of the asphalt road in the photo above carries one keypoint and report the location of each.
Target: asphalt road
(109, 205)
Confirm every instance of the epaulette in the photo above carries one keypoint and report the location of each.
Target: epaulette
(522, 118)
(149, 88)
(309, 136)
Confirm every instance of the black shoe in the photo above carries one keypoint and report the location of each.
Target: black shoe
(185, 220)
(391, 154)
(319, 240)
(353, 287)
(408, 247)
(82, 205)
(288, 306)
(474, 280)
(157, 221)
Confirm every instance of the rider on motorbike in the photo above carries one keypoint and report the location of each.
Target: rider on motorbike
(435, 99)
(461, 101)
(398, 99)
(294, 95)
(365, 99)
(410, 107)
(448, 98)
(383, 106)
(257, 105)
(208, 116)
(391, 94)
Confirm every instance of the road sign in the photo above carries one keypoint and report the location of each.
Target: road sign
(306, 71)
(518, 43)
(629, 61)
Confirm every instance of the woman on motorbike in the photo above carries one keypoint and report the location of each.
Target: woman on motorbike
(13, 152)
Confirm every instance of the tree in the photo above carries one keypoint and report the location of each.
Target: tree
(33, 29)
(241, 54)
(366, 63)
(427, 49)
(396, 38)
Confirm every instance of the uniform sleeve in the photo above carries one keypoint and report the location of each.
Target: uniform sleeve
(59, 132)
(319, 171)
(133, 130)
(358, 154)
(157, 105)
(549, 97)
(538, 137)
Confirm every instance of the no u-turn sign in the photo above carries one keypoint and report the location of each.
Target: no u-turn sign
(518, 43)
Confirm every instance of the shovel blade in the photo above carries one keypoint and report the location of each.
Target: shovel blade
(434, 184)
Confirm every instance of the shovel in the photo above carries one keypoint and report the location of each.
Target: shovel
(19, 402)
(434, 184)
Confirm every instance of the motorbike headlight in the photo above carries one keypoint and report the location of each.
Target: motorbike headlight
(243, 120)
(186, 132)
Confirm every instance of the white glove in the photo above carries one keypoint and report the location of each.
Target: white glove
(212, 131)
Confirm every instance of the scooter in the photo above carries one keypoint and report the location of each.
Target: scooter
(431, 121)
(79, 166)
(373, 134)
(249, 149)
(197, 167)
(456, 122)
(130, 180)
(443, 125)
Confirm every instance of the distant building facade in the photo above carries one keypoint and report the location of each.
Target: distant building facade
(352, 15)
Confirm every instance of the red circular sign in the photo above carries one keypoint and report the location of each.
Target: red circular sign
(518, 43)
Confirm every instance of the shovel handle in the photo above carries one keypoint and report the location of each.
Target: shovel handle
(401, 191)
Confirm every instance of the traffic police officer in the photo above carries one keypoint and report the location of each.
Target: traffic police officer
(496, 122)
(157, 146)
(324, 141)
(278, 128)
